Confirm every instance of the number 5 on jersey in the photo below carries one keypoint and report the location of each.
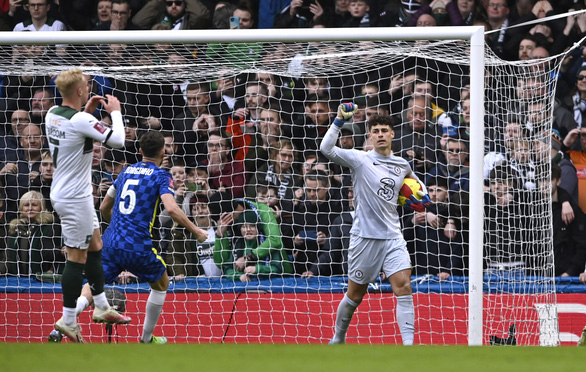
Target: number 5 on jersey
(127, 192)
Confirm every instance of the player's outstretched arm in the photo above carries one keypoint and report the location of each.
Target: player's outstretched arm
(178, 216)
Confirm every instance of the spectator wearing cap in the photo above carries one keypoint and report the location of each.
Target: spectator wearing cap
(177, 14)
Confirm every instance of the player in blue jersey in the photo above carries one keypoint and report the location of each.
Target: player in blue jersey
(131, 206)
(376, 241)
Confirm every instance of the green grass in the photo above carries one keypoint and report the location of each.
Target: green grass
(277, 358)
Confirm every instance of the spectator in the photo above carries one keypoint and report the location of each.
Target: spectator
(417, 137)
(171, 149)
(15, 172)
(514, 130)
(225, 176)
(9, 142)
(521, 162)
(239, 55)
(569, 239)
(278, 172)
(187, 257)
(498, 13)
(39, 19)
(120, 18)
(178, 14)
(456, 169)
(334, 258)
(269, 195)
(314, 212)
(547, 147)
(436, 235)
(300, 14)
(43, 179)
(43, 99)
(225, 99)
(222, 13)
(399, 16)
(308, 130)
(104, 12)
(34, 243)
(507, 210)
(578, 158)
(256, 249)
(575, 101)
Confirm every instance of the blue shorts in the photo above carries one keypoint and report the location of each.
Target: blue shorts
(148, 266)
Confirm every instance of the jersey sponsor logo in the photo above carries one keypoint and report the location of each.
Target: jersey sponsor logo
(55, 132)
(140, 171)
(100, 127)
(387, 189)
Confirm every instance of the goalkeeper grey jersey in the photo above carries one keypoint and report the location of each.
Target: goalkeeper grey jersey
(377, 180)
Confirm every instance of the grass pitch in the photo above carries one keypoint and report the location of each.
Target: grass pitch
(277, 358)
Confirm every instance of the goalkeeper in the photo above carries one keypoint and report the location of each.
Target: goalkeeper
(376, 241)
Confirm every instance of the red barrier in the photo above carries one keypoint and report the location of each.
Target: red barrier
(296, 318)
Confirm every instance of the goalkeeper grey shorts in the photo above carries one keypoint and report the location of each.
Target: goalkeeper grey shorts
(367, 258)
(78, 222)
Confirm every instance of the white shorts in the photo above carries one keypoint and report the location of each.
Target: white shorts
(368, 257)
(78, 222)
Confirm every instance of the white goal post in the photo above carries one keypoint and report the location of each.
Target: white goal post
(473, 35)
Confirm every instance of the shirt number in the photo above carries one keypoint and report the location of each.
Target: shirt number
(128, 193)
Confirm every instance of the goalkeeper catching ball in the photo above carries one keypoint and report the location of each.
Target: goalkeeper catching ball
(376, 242)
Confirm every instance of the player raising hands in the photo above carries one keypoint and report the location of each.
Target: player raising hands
(376, 241)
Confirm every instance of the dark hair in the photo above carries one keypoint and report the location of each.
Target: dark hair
(379, 120)
(225, 137)
(556, 171)
(439, 181)
(319, 176)
(152, 143)
(204, 87)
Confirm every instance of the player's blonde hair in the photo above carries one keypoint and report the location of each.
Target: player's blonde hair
(68, 80)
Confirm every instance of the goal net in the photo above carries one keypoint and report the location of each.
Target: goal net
(274, 101)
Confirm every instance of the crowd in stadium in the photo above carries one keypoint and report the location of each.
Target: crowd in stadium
(243, 149)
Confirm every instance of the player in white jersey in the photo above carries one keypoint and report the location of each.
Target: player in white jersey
(71, 133)
(376, 241)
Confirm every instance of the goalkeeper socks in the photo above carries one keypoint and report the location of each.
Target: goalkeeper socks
(406, 318)
(94, 271)
(344, 315)
(82, 304)
(153, 310)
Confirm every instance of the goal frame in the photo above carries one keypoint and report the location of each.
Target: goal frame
(475, 34)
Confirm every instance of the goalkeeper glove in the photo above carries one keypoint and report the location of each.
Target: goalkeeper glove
(345, 112)
(416, 204)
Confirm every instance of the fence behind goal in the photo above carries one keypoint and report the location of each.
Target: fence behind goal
(275, 95)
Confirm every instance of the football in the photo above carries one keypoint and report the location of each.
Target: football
(410, 187)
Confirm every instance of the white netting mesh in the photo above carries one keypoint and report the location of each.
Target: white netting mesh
(189, 90)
